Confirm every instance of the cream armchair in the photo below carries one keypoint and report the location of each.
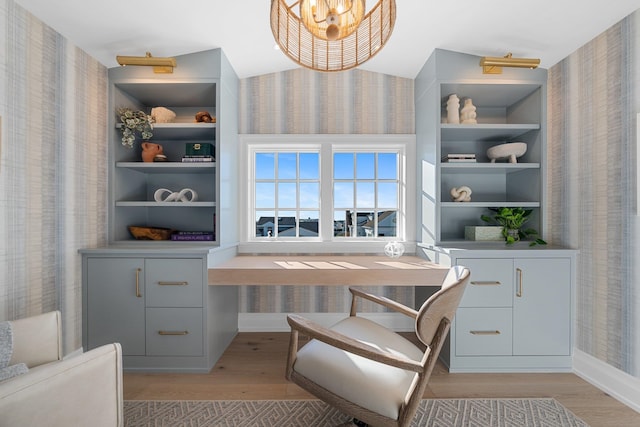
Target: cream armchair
(84, 390)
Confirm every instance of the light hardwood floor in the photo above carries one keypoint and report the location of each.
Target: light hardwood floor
(253, 366)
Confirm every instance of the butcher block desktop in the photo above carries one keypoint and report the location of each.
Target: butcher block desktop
(327, 270)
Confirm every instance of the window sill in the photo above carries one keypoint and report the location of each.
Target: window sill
(372, 246)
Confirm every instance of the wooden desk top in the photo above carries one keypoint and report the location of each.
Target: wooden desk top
(327, 270)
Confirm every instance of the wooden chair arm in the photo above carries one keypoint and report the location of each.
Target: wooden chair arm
(386, 302)
(343, 342)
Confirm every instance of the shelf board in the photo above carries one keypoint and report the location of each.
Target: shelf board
(154, 204)
(499, 168)
(496, 204)
(168, 167)
(485, 132)
(182, 131)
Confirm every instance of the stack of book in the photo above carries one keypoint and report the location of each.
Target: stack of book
(462, 158)
(197, 159)
(192, 236)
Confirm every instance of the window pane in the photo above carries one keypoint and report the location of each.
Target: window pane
(344, 223)
(309, 166)
(387, 223)
(265, 195)
(264, 224)
(388, 195)
(309, 195)
(365, 166)
(365, 224)
(287, 195)
(286, 224)
(365, 195)
(387, 166)
(287, 166)
(343, 195)
(309, 221)
(343, 166)
(265, 166)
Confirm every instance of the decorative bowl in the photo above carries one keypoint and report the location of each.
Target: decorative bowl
(511, 150)
(150, 233)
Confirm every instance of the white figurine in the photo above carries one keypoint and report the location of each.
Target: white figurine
(468, 113)
(461, 194)
(453, 104)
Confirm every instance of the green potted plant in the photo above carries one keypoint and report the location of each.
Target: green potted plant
(132, 122)
(512, 221)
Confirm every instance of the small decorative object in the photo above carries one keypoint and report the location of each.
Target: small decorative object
(184, 195)
(453, 105)
(511, 150)
(483, 233)
(394, 249)
(150, 150)
(461, 194)
(204, 117)
(468, 113)
(150, 233)
(162, 115)
(512, 220)
(132, 122)
(160, 158)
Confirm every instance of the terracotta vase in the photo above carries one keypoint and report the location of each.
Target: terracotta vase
(150, 150)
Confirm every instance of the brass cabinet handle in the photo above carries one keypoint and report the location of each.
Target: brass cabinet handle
(138, 294)
(486, 283)
(173, 332)
(173, 283)
(519, 291)
(485, 332)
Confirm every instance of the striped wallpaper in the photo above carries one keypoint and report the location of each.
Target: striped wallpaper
(52, 169)
(302, 101)
(593, 102)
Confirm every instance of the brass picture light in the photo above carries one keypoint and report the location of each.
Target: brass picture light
(493, 65)
(160, 65)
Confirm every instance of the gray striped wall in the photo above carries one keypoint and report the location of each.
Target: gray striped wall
(52, 168)
(302, 101)
(591, 177)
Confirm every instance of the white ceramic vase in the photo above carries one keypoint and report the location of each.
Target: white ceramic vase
(468, 113)
(453, 106)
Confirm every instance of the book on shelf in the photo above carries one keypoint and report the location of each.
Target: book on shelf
(453, 158)
(192, 236)
(197, 159)
(459, 160)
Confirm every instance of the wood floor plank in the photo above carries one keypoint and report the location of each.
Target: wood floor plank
(252, 368)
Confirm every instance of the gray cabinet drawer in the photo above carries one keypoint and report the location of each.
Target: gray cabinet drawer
(174, 332)
(483, 332)
(491, 282)
(173, 282)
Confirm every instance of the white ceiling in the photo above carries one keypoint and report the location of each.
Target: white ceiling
(545, 29)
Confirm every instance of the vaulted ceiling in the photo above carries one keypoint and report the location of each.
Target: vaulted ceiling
(545, 29)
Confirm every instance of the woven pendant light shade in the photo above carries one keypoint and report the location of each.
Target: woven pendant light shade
(318, 53)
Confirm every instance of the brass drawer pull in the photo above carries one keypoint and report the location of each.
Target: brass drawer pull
(485, 332)
(173, 283)
(138, 294)
(173, 332)
(486, 283)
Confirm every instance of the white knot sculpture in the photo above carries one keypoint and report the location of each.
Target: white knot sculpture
(175, 196)
(461, 194)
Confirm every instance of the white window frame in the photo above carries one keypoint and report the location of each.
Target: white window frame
(403, 144)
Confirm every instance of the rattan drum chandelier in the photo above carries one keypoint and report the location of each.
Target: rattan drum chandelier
(331, 35)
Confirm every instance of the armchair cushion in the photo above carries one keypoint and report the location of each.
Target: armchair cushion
(362, 381)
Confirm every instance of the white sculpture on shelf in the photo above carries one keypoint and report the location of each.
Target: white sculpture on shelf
(511, 150)
(453, 105)
(184, 195)
(162, 115)
(468, 113)
(394, 249)
(461, 194)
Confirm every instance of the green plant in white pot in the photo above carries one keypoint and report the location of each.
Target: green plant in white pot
(512, 221)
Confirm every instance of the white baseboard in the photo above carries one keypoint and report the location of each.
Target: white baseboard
(619, 384)
(277, 322)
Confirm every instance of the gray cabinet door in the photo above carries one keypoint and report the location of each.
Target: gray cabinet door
(542, 307)
(115, 305)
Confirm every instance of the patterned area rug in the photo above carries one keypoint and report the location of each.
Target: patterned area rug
(314, 413)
